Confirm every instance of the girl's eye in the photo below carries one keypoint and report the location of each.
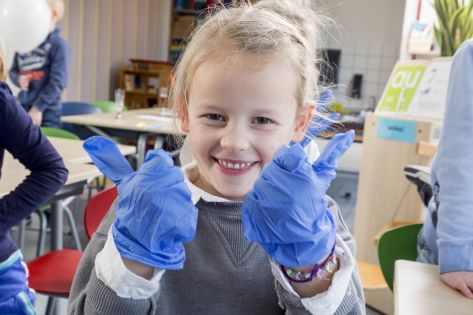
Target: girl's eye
(215, 117)
(262, 121)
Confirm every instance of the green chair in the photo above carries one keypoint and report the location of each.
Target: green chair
(58, 133)
(394, 244)
(106, 106)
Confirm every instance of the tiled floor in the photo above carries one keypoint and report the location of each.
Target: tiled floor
(343, 190)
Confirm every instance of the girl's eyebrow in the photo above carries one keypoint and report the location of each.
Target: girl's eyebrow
(266, 111)
(209, 106)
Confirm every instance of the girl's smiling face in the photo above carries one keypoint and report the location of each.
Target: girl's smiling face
(238, 116)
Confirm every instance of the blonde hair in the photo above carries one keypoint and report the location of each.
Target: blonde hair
(278, 29)
(3, 70)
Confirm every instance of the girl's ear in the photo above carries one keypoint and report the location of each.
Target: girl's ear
(183, 116)
(303, 119)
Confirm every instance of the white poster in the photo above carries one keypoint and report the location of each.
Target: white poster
(429, 99)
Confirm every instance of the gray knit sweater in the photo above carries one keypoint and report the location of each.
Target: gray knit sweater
(223, 274)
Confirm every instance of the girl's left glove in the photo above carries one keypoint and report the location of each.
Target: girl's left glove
(287, 213)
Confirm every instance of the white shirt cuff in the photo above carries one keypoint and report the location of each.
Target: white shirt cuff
(326, 302)
(111, 270)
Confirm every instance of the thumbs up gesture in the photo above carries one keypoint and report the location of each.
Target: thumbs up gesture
(286, 211)
(155, 213)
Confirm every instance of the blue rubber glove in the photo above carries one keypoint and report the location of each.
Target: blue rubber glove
(155, 213)
(327, 162)
(286, 212)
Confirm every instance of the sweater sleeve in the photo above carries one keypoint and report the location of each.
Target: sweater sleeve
(26, 143)
(57, 79)
(344, 296)
(454, 168)
(89, 295)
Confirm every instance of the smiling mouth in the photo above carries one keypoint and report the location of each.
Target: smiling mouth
(234, 165)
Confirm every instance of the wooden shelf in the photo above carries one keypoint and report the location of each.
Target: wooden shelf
(155, 94)
(183, 20)
(142, 76)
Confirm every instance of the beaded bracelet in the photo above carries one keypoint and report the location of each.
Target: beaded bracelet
(320, 271)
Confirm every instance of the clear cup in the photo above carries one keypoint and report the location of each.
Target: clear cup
(119, 102)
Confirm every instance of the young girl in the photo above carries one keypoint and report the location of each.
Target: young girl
(24, 142)
(245, 91)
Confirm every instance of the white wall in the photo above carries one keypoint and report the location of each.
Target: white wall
(369, 38)
(104, 34)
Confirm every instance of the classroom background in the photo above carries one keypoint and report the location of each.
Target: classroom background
(389, 78)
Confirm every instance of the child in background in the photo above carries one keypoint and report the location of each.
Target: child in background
(245, 91)
(26, 143)
(447, 238)
(41, 74)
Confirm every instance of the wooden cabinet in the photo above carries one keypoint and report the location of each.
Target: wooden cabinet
(384, 194)
(146, 83)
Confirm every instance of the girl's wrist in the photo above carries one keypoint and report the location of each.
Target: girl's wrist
(139, 269)
(310, 267)
(316, 285)
(322, 269)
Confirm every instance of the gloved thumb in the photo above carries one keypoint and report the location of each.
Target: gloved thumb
(334, 149)
(157, 160)
(108, 158)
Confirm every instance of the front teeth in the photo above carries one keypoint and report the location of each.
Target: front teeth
(235, 166)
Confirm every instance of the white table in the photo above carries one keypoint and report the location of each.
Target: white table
(72, 150)
(137, 124)
(418, 290)
(75, 159)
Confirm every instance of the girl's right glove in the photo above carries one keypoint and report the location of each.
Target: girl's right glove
(287, 213)
(155, 213)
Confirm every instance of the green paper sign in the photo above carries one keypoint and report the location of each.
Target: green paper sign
(402, 85)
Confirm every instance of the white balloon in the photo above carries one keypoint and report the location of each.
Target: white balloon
(24, 24)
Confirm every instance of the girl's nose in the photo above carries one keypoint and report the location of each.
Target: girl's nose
(234, 139)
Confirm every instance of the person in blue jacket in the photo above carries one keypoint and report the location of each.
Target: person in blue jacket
(42, 74)
(447, 236)
(24, 141)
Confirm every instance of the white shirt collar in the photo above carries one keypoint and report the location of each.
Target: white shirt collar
(191, 172)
